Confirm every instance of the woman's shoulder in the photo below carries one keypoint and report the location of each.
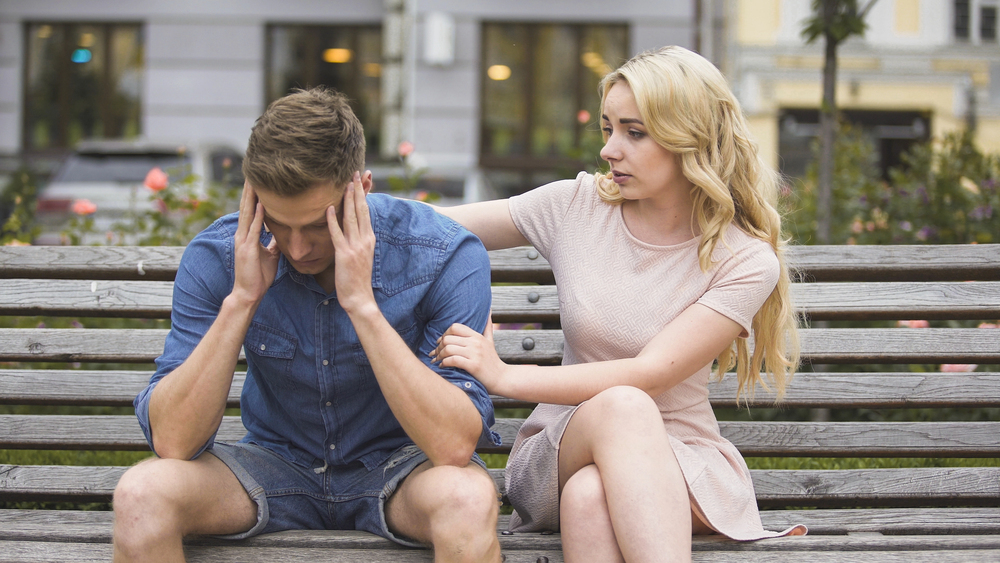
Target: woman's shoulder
(739, 246)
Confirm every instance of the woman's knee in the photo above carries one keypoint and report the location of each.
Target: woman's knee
(625, 404)
(583, 492)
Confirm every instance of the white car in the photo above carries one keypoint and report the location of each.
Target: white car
(110, 175)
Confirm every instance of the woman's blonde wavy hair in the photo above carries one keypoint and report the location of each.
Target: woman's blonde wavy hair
(688, 108)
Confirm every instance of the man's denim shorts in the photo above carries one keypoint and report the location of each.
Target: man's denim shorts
(292, 497)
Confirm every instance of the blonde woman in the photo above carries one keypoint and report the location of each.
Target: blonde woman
(664, 265)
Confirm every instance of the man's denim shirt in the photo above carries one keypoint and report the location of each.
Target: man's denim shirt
(310, 393)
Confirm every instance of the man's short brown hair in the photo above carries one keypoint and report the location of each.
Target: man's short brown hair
(305, 138)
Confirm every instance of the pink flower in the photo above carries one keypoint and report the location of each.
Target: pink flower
(83, 207)
(988, 325)
(15, 242)
(958, 368)
(421, 196)
(583, 116)
(913, 324)
(156, 179)
(405, 148)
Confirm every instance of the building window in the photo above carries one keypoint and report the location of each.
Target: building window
(82, 81)
(346, 58)
(539, 99)
(988, 24)
(962, 19)
(892, 133)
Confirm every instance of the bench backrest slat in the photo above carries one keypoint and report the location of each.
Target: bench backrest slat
(831, 345)
(531, 303)
(827, 390)
(815, 439)
(958, 262)
(937, 486)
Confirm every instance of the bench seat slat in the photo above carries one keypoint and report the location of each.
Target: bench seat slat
(95, 526)
(829, 346)
(835, 439)
(53, 552)
(928, 486)
(832, 390)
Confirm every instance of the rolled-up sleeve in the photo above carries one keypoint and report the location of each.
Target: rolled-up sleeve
(203, 281)
(461, 294)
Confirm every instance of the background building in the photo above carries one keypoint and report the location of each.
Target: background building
(924, 68)
(495, 96)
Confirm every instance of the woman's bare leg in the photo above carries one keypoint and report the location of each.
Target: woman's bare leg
(620, 432)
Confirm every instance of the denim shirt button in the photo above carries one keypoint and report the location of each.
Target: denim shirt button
(326, 301)
(468, 385)
(329, 404)
(333, 447)
(326, 362)
(262, 347)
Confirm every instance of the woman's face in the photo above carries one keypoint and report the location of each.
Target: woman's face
(639, 165)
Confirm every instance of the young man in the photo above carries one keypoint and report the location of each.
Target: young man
(336, 298)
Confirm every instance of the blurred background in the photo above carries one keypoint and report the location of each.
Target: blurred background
(486, 99)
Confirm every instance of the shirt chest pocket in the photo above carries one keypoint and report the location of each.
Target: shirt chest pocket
(270, 349)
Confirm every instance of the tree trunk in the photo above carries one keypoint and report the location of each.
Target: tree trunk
(827, 124)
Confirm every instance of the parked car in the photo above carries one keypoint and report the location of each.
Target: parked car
(110, 175)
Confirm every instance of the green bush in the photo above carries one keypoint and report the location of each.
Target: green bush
(945, 193)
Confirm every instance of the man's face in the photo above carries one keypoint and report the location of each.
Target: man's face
(298, 224)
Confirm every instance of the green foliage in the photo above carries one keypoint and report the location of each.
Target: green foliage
(181, 210)
(944, 194)
(845, 20)
(17, 208)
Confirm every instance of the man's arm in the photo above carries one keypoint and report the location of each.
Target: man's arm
(435, 414)
(187, 405)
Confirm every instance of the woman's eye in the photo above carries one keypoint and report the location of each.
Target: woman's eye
(636, 134)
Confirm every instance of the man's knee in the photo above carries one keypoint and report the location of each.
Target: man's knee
(467, 494)
(139, 487)
(143, 515)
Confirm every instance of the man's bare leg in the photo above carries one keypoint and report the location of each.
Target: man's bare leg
(452, 508)
(159, 501)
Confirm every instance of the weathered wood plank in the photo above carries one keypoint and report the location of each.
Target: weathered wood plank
(873, 390)
(529, 303)
(898, 300)
(95, 526)
(90, 262)
(832, 345)
(943, 262)
(90, 298)
(843, 439)
(847, 488)
(820, 263)
(51, 552)
(807, 389)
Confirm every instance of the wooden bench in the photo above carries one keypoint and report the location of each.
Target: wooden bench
(887, 514)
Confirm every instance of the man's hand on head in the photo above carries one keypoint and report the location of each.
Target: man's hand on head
(354, 249)
(256, 265)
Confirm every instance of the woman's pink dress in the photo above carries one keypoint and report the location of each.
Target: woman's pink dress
(615, 293)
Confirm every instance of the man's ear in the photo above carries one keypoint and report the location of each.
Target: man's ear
(367, 182)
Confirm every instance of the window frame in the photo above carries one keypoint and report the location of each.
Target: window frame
(313, 60)
(61, 142)
(528, 163)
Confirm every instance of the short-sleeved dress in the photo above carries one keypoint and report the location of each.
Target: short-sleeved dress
(615, 293)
